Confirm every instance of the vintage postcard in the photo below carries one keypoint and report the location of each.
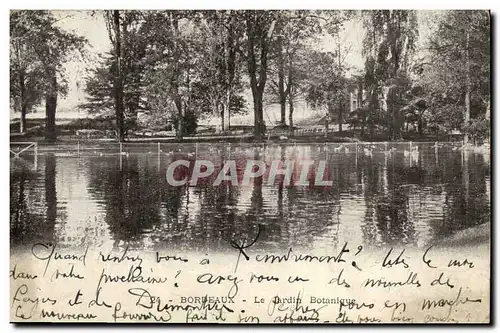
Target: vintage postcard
(250, 166)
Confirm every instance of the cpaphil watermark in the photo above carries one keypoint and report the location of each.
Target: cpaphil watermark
(286, 172)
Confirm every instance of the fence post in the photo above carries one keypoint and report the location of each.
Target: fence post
(36, 155)
(159, 157)
(121, 157)
(356, 154)
(436, 152)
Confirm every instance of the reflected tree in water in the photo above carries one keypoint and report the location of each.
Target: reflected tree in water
(383, 200)
(467, 204)
(50, 190)
(130, 196)
(33, 207)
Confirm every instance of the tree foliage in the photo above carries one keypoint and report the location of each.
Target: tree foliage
(456, 72)
(177, 66)
(388, 46)
(39, 49)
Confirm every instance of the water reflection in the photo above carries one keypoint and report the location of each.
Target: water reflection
(377, 198)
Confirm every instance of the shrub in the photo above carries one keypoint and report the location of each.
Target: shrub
(478, 130)
(189, 123)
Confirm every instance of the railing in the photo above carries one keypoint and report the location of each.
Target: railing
(29, 145)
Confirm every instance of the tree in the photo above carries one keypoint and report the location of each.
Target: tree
(416, 107)
(56, 48)
(101, 81)
(457, 71)
(388, 46)
(176, 66)
(99, 86)
(294, 32)
(26, 90)
(334, 25)
(259, 26)
(39, 49)
(327, 85)
(297, 80)
(172, 57)
(297, 34)
(115, 35)
(25, 69)
(220, 74)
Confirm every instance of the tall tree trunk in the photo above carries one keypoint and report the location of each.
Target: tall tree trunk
(391, 113)
(373, 105)
(22, 124)
(467, 87)
(256, 85)
(340, 119)
(258, 114)
(176, 76)
(228, 110)
(290, 114)
(50, 107)
(216, 113)
(281, 80)
(290, 96)
(327, 117)
(225, 111)
(420, 123)
(180, 123)
(119, 107)
(371, 127)
(257, 107)
(261, 128)
(222, 115)
(340, 94)
(230, 67)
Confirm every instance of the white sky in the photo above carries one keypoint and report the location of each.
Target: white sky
(91, 25)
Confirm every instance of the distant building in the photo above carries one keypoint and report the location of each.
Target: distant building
(356, 99)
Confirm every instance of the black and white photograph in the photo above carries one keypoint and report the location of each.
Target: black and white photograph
(250, 166)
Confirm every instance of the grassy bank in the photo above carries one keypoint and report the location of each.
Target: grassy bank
(345, 136)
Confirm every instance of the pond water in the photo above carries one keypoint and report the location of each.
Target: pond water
(378, 198)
